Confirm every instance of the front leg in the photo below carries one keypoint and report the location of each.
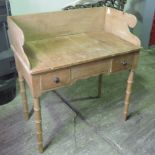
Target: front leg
(38, 123)
(128, 93)
(23, 96)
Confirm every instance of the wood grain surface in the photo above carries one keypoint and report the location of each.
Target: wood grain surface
(66, 51)
(54, 50)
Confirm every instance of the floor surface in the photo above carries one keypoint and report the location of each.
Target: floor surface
(98, 127)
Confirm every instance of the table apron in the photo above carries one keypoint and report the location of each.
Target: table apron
(67, 76)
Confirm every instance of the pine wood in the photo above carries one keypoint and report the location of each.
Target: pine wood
(24, 97)
(38, 123)
(62, 75)
(117, 22)
(92, 68)
(128, 93)
(53, 50)
(122, 62)
(61, 23)
(66, 51)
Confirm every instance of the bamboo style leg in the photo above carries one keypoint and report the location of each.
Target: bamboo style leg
(100, 85)
(128, 93)
(24, 97)
(38, 123)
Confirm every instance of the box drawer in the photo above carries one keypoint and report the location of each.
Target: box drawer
(122, 62)
(55, 79)
(90, 69)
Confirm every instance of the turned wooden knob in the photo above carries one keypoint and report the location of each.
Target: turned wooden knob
(56, 80)
(124, 62)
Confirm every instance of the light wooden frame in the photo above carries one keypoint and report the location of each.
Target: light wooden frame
(109, 20)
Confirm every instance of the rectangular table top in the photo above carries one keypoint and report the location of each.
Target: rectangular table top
(65, 51)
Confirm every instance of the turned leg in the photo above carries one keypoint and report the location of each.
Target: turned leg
(38, 123)
(100, 85)
(24, 97)
(128, 93)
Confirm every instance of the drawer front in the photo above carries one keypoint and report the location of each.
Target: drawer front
(55, 79)
(123, 62)
(90, 69)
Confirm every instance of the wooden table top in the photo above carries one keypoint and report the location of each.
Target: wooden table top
(65, 51)
(55, 40)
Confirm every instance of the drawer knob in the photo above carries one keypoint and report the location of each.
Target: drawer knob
(124, 62)
(56, 80)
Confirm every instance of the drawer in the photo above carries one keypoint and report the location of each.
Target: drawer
(90, 69)
(55, 79)
(122, 62)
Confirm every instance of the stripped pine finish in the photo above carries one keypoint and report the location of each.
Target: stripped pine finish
(38, 120)
(23, 96)
(53, 50)
(128, 93)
